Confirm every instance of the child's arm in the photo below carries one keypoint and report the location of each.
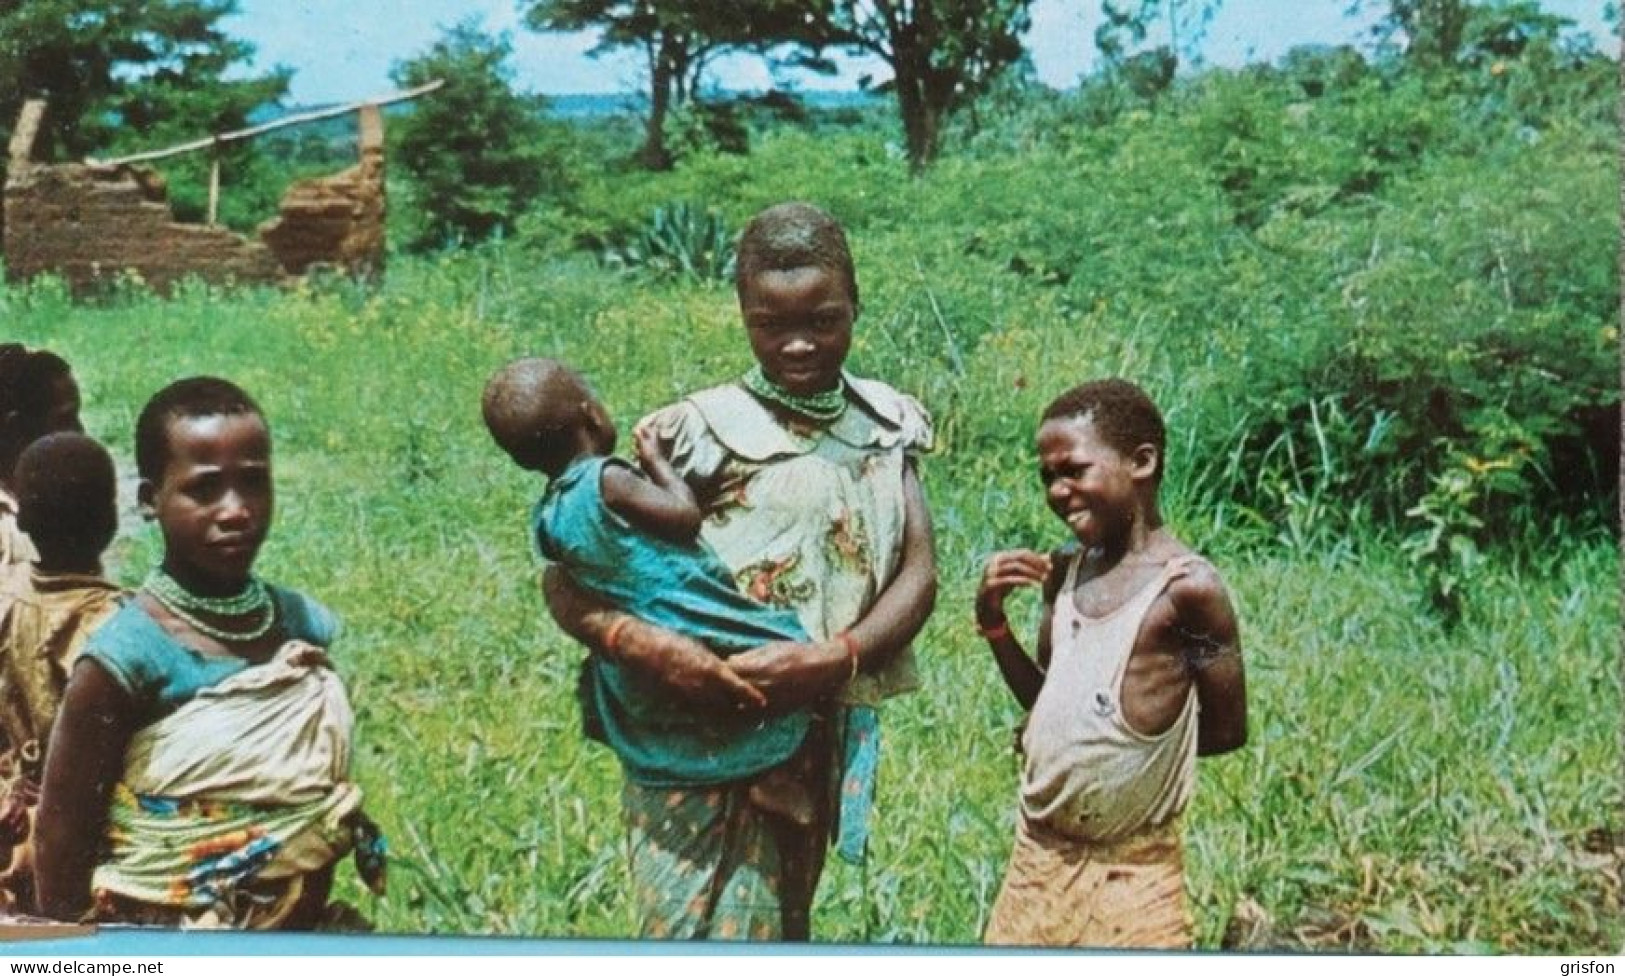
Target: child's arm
(661, 505)
(687, 668)
(1004, 572)
(1212, 646)
(83, 762)
(903, 607)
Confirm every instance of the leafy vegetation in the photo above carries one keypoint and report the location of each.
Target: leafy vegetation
(1377, 301)
(679, 40)
(943, 55)
(478, 153)
(119, 73)
(681, 239)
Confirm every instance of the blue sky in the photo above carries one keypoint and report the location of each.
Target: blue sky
(342, 50)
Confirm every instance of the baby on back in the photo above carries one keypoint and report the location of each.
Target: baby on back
(631, 537)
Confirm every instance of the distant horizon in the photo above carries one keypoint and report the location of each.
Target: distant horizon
(628, 100)
(340, 57)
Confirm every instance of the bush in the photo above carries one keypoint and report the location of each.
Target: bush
(706, 127)
(479, 153)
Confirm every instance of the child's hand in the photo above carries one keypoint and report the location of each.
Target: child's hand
(1004, 572)
(647, 445)
(791, 673)
(688, 669)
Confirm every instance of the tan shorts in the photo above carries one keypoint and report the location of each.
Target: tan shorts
(1060, 891)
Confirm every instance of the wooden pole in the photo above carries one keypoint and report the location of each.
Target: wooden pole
(240, 134)
(214, 184)
(21, 150)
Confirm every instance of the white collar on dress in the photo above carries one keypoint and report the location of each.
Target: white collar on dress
(748, 430)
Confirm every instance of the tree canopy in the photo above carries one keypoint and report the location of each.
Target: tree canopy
(126, 71)
(478, 152)
(678, 38)
(943, 55)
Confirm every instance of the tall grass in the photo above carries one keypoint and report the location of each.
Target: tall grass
(1406, 787)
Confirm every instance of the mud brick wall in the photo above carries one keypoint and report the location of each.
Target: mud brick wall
(338, 220)
(89, 224)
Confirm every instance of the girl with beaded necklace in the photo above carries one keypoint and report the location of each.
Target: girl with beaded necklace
(806, 477)
(199, 771)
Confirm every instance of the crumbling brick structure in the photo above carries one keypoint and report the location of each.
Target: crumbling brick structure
(90, 223)
(336, 220)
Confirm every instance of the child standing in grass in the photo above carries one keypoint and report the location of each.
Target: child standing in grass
(806, 475)
(38, 396)
(66, 497)
(1138, 671)
(198, 774)
(633, 539)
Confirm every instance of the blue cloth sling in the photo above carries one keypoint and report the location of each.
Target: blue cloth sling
(662, 742)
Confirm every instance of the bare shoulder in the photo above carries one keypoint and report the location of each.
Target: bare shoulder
(1060, 561)
(623, 488)
(617, 481)
(1202, 604)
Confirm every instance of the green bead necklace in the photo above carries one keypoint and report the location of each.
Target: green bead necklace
(183, 603)
(825, 406)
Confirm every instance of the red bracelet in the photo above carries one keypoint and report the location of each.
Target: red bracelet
(850, 643)
(996, 632)
(613, 634)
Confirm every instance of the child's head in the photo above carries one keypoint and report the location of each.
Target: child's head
(798, 294)
(543, 414)
(67, 500)
(1100, 450)
(38, 396)
(203, 451)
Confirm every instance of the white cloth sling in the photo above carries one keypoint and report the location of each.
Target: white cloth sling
(247, 781)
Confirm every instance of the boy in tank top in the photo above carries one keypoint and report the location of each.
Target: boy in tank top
(1138, 671)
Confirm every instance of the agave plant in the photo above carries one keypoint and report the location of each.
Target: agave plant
(681, 240)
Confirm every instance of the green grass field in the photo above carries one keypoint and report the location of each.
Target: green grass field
(1406, 787)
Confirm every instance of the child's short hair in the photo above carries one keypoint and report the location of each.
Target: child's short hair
(196, 396)
(1123, 414)
(530, 408)
(793, 235)
(67, 496)
(27, 386)
(27, 379)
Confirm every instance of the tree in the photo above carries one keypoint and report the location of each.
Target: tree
(478, 152)
(943, 54)
(679, 40)
(1440, 34)
(1126, 23)
(126, 70)
(1432, 29)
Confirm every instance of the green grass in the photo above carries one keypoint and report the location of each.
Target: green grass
(1406, 787)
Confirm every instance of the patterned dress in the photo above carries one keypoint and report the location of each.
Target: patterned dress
(235, 789)
(45, 619)
(811, 519)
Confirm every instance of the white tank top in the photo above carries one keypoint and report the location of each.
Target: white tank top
(1088, 774)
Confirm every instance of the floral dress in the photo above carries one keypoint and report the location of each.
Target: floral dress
(809, 518)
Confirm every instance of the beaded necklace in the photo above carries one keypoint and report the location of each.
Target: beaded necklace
(183, 603)
(825, 406)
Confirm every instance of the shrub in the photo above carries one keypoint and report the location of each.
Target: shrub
(680, 240)
(479, 153)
